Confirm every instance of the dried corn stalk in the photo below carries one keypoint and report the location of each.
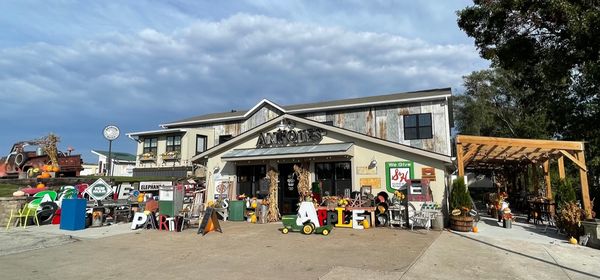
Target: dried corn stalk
(50, 147)
(273, 215)
(304, 189)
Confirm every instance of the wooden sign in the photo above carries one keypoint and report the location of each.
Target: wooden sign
(428, 173)
(365, 170)
(375, 183)
(209, 222)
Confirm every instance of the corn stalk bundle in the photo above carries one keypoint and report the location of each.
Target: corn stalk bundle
(273, 215)
(50, 147)
(304, 188)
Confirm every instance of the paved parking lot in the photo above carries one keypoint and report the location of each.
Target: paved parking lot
(242, 251)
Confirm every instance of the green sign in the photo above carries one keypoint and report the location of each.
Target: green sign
(99, 190)
(397, 174)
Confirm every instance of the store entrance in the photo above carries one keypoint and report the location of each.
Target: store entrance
(288, 186)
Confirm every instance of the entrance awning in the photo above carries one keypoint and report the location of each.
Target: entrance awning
(337, 149)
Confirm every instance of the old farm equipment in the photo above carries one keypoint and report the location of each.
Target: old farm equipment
(39, 154)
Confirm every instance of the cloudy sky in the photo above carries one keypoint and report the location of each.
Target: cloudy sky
(72, 67)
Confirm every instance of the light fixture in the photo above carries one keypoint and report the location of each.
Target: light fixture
(216, 169)
(373, 163)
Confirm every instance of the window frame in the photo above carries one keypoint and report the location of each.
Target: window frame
(152, 147)
(173, 147)
(417, 127)
(205, 144)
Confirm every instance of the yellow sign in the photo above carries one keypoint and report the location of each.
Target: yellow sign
(375, 183)
(365, 170)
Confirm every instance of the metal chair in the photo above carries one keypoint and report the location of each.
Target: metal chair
(22, 215)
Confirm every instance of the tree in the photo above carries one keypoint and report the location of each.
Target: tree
(550, 53)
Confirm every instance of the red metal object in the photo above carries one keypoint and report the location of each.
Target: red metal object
(20, 161)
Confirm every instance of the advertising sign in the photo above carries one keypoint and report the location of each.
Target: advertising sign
(99, 190)
(154, 186)
(398, 174)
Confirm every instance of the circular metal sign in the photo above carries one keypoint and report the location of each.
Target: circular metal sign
(111, 132)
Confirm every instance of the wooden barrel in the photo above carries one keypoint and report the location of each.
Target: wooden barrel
(461, 223)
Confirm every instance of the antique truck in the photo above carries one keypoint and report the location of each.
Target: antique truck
(32, 154)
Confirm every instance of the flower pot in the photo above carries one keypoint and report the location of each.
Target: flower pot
(461, 223)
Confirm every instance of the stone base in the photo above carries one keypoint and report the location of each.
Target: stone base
(593, 228)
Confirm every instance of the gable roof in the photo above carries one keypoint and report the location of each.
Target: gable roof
(250, 133)
(117, 156)
(405, 97)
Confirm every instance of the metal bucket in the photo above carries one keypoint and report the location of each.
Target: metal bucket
(39, 151)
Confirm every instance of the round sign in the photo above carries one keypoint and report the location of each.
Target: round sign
(111, 132)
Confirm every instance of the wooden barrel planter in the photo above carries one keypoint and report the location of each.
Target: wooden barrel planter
(461, 223)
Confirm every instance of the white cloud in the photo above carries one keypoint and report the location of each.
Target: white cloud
(150, 77)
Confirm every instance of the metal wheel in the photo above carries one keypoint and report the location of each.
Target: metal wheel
(307, 229)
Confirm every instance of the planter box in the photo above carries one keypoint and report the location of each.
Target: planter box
(593, 228)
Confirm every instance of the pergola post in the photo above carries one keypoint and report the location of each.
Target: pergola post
(585, 191)
(561, 167)
(546, 166)
(459, 159)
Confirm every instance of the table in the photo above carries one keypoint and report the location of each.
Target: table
(541, 210)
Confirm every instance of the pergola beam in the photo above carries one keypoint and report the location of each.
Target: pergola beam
(577, 162)
(516, 142)
(561, 167)
(585, 190)
(546, 166)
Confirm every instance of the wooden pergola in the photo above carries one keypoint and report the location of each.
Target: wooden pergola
(481, 152)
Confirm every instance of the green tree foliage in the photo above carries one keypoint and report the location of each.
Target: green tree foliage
(565, 193)
(459, 197)
(549, 53)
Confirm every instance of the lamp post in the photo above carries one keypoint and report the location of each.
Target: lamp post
(110, 132)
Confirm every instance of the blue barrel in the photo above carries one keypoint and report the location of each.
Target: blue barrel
(72, 215)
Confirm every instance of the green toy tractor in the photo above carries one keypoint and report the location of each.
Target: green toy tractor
(308, 227)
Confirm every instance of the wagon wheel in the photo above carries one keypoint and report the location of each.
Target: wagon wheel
(285, 230)
(325, 232)
(307, 229)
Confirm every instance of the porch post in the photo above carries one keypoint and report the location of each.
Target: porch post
(459, 160)
(585, 191)
(546, 166)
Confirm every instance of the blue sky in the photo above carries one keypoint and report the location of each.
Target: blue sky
(72, 67)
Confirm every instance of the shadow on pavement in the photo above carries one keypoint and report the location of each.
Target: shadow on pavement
(527, 256)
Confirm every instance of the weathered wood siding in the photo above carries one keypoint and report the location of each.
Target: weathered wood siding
(385, 122)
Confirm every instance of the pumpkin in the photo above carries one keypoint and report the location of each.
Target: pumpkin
(254, 205)
(475, 229)
(40, 186)
(253, 218)
(572, 240)
(365, 224)
(55, 168)
(45, 175)
(140, 197)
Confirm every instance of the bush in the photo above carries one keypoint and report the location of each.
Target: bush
(565, 193)
(459, 197)
(569, 219)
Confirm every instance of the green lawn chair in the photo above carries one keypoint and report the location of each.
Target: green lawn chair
(28, 210)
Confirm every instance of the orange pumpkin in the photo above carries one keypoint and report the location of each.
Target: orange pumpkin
(43, 168)
(475, 229)
(55, 168)
(40, 186)
(45, 175)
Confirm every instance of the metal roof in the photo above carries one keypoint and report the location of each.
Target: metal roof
(289, 151)
(117, 156)
(415, 96)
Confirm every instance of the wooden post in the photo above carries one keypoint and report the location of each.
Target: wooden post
(546, 166)
(585, 191)
(561, 167)
(459, 160)
(534, 176)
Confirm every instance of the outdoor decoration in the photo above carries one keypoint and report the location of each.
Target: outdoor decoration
(273, 215)
(569, 218)
(50, 148)
(209, 222)
(305, 221)
(460, 203)
(304, 188)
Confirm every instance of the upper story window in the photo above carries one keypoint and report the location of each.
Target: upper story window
(150, 145)
(200, 144)
(174, 143)
(224, 138)
(417, 126)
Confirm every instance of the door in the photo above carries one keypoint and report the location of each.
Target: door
(288, 186)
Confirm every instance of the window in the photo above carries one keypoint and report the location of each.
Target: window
(200, 144)
(327, 123)
(335, 176)
(224, 138)
(174, 143)
(251, 180)
(417, 126)
(150, 145)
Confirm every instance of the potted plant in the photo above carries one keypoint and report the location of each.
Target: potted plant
(170, 155)
(460, 203)
(147, 156)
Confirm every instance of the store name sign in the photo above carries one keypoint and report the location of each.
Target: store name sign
(283, 137)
